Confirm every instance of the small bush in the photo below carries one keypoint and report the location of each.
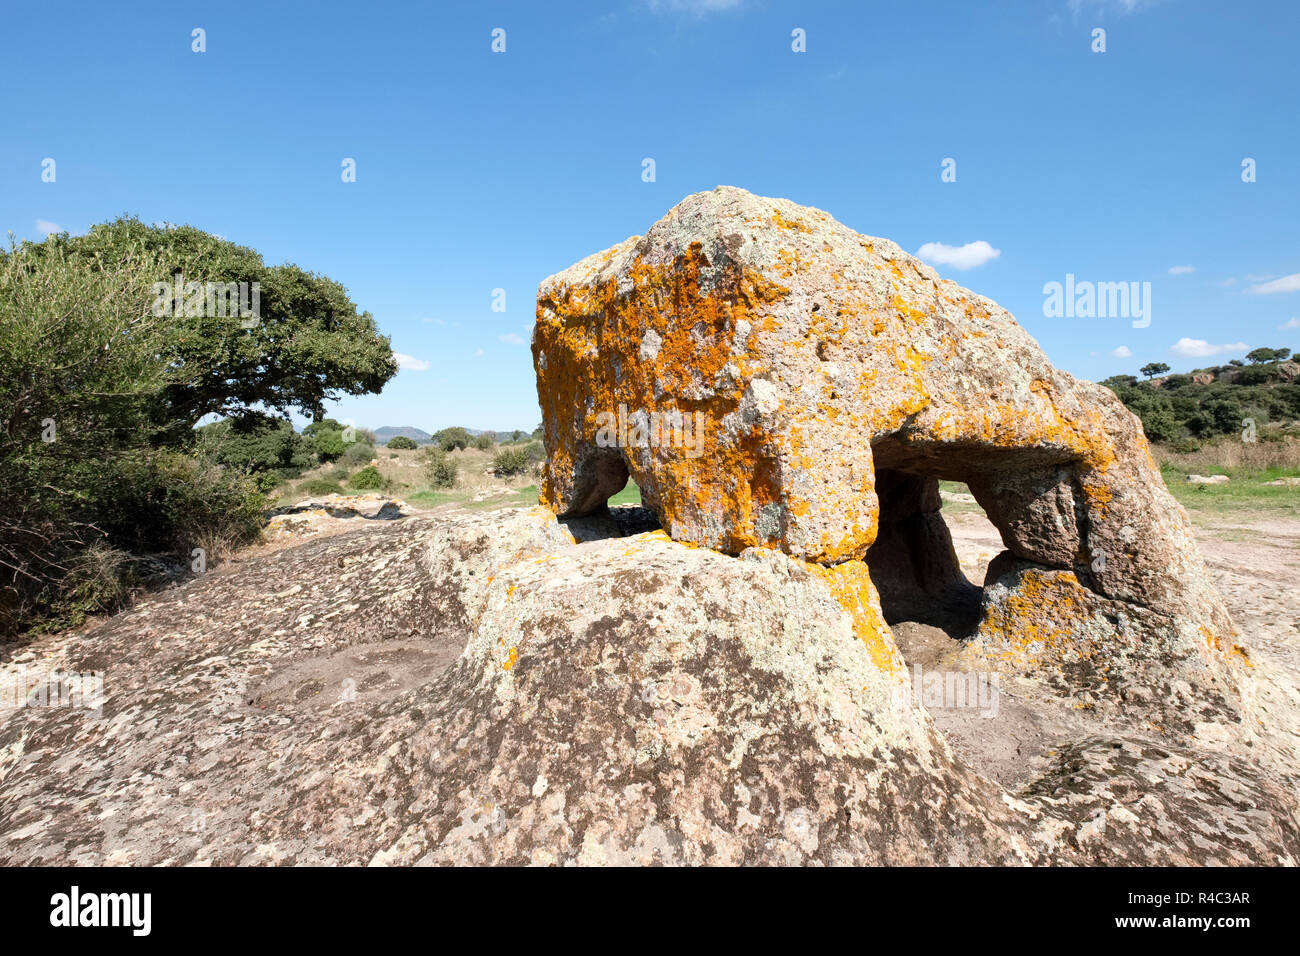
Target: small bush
(439, 468)
(325, 439)
(367, 479)
(449, 439)
(338, 473)
(357, 452)
(169, 502)
(100, 578)
(319, 486)
(510, 461)
(485, 441)
(402, 443)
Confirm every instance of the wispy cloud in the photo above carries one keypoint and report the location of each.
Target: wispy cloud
(45, 227)
(1291, 323)
(478, 352)
(1122, 351)
(1100, 6)
(433, 321)
(1199, 348)
(959, 257)
(697, 7)
(1181, 270)
(410, 363)
(1224, 283)
(1289, 283)
(511, 339)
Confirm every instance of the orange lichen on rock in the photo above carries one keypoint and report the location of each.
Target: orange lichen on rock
(817, 360)
(850, 584)
(1042, 617)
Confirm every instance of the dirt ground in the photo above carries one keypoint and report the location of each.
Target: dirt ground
(1254, 561)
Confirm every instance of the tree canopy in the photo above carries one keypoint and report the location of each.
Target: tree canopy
(307, 345)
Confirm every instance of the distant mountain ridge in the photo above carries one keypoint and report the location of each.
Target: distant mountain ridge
(417, 435)
(420, 436)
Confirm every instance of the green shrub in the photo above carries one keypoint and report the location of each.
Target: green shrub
(449, 439)
(402, 443)
(72, 410)
(170, 502)
(338, 473)
(327, 443)
(510, 461)
(357, 452)
(256, 444)
(485, 441)
(99, 578)
(319, 486)
(439, 468)
(102, 472)
(367, 479)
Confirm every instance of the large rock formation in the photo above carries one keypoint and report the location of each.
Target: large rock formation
(825, 382)
(506, 687)
(500, 687)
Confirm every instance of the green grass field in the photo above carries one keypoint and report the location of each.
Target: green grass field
(1246, 491)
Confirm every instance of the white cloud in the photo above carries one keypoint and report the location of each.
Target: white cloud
(1199, 348)
(1291, 323)
(1224, 283)
(1259, 278)
(959, 257)
(478, 352)
(410, 363)
(1122, 351)
(433, 321)
(1289, 283)
(45, 227)
(1181, 270)
(512, 339)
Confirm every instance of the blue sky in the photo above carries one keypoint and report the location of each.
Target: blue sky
(479, 170)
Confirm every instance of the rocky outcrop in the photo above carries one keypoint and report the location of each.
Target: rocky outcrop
(505, 688)
(509, 687)
(824, 382)
(331, 514)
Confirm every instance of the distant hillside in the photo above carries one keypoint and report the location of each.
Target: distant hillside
(1261, 398)
(417, 435)
(421, 437)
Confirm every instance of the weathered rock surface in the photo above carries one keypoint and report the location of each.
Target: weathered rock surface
(838, 379)
(328, 514)
(486, 689)
(503, 687)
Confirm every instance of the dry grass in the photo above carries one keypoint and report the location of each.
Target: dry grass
(405, 472)
(1233, 457)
